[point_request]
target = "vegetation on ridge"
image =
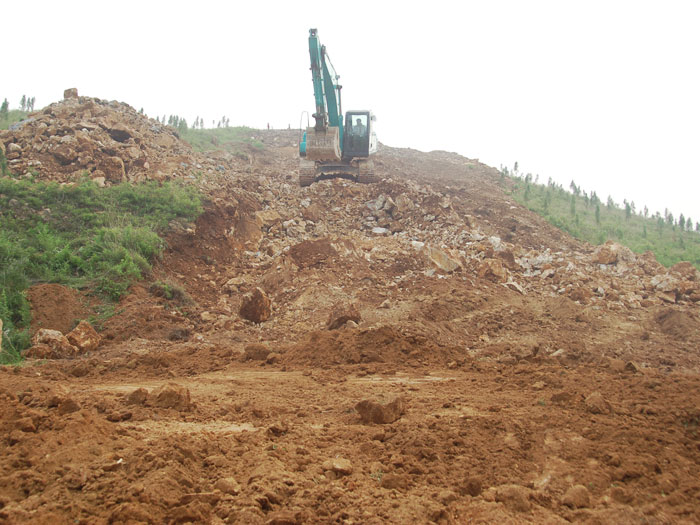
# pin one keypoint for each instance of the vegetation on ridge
(586, 217)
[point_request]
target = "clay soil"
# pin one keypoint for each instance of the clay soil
(537, 385)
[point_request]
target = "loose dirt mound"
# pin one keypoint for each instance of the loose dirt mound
(678, 324)
(308, 254)
(56, 307)
(375, 345)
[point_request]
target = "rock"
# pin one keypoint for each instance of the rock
(596, 403)
(70, 93)
(272, 358)
(25, 424)
(377, 230)
(171, 395)
(68, 406)
(606, 254)
(441, 259)
(38, 351)
(340, 466)
(228, 486)
(60, 346)
(341, 314)
(515, 287)
(208, 317)
(137, 397)
(581, 294)
(256, 306)
(373, 412)
(514, 497)
(577, 497)
(472, 486)
(312, 213)
(113, 169)
(84, 337)
(493, 270)
(685, 270)
(665, 282)
(612, 252)
(616, 365)
(633, 367)
(256, 352)
(394, 481)
(267, 218)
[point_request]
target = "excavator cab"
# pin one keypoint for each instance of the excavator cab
(359, 137)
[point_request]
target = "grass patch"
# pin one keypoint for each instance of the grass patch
(171, 291)
(82, 236)
(235, 140)
(12, 116)
(588, 218)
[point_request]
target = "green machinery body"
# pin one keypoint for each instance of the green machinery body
(333, 146)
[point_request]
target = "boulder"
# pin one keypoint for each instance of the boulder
(172, 395)
(514, 497)
(373, 412)
(441, 259)
(612, 253)
(113, 169)
(596, 403)
(685, 270)
(256, 306)
(341, 314)
(577, 497)
(267, 218)
(70, 93)
(84, 337)
(137, 397)
(256, 352)
(59, 346)
(493, 270)
(339, 466)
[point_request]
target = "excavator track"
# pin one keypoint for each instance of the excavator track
(366, 173)
(307, 172)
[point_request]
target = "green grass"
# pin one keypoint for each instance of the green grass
(12, 116)
(234, 140)
(83, 236)
(575, 213)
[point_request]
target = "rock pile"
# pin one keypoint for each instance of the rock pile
(109, 141)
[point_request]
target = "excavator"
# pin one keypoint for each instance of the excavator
(333, 148)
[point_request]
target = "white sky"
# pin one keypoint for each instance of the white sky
(606, 93)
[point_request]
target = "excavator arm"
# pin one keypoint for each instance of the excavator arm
(324, 141)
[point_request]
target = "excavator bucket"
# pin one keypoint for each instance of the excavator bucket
(323, 145)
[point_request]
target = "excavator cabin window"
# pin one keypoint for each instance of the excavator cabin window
(358, 125)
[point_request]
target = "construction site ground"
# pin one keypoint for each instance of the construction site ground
(494, 369)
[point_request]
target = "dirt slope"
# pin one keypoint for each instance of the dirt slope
(542, 380)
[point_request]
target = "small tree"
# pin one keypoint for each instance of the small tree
(628, 210)
(572, 207)
(646, 211)
(597, 213)
(23, 103)
(4, 109)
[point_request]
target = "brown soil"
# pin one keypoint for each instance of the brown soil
(56, 307)
(554, 390)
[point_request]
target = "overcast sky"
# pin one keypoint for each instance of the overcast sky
(605, 93)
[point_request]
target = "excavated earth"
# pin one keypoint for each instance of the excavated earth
(483, 367)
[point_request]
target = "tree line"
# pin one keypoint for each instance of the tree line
(180, 123)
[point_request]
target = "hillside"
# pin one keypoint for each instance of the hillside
(423, 349)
